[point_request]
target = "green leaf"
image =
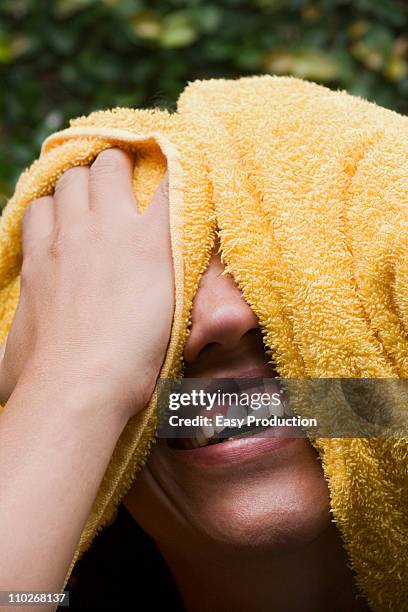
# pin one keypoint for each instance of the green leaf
(308, 64)
(178, 30)
(6, 51)
(207, 18)
(147, 24)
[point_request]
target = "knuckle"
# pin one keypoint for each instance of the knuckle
(122, 221)
(57, 246)
(66, 244)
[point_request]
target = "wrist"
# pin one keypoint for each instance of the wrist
(68, 397)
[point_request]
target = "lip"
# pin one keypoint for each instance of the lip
(239, 450)
(264, 371)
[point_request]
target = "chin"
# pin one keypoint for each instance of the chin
(273, 502)
(265, 515)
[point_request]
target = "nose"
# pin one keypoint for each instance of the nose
(220, 314)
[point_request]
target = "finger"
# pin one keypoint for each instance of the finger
(110, 183)
(72, 195)
(157, 222)
(38, 222)
(157, 212)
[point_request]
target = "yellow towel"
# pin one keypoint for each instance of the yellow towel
(309, 190)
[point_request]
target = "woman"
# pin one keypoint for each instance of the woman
(241, 525)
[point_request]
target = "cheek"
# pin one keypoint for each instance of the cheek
(277, 505)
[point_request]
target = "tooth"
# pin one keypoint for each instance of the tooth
(261, 413)
(275, 410)
(235, 411)
(218, 428)
(201, 438)
(258, 414)
(208, 431)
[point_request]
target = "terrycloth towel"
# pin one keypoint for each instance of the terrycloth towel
(309, 190)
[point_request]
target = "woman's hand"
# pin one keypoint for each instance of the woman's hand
(96, 298)
(83, 354)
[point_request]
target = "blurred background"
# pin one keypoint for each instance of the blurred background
(66, 58)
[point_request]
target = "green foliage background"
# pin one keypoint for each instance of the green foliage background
(62, 58)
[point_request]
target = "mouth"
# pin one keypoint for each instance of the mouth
(238, 449)
(220, 442)
(208, 435)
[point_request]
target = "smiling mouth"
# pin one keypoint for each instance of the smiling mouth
(233, 422)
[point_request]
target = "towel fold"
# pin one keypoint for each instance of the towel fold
(309, 191)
